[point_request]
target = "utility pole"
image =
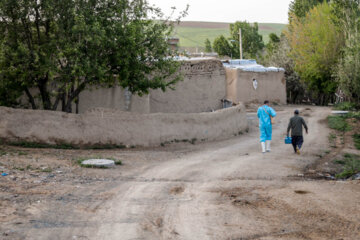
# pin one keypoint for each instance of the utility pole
(240, 43)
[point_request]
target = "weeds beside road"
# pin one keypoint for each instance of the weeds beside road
(346, 134)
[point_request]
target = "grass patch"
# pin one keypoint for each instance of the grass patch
(21, 153)
(341, 162)
(351, 164)
(106, 146)
(346, 106)
(356, 138)
(26, 144)
(46, 169)
(354, 115)
(19, 168)
(332, 137)
(2, 152)
(194, 35)
(339, 123)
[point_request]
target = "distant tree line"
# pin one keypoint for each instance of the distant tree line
(252, 41)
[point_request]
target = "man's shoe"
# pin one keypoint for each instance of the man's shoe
(297, 151)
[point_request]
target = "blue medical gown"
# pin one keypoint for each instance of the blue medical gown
(265, 122)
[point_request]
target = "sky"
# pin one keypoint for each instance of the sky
(262, 11)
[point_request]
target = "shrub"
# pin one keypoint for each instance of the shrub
(351, 166)
(345, 106)
(338, 123)
(356, 138)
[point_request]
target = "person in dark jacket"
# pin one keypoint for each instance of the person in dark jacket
(296, 123)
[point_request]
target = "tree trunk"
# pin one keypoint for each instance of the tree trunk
(74, 93)
(68, 107)
(63, 104)
(45, 96)
(295, 96)
(77, 105)
(31, 98)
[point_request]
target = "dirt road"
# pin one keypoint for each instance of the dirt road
(219, 190)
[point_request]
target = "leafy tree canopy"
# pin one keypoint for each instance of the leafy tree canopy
(208, 47)
(62, 47)
(278, 56)
(299, 8)
(252, 42)
(221, 46)
(315, 47)
(273, 43)
(346, 18)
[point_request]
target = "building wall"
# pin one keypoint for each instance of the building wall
(203, 87)
(109, 126)
(271, 86)
(205, 83)
(114, 98)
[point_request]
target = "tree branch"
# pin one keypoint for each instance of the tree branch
(31, 98)
(76, 92)
(37, 24)
(60, 93)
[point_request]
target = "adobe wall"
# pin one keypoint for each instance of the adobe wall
(109, 126)
(114, 98)
(271, 86)
(203, 87)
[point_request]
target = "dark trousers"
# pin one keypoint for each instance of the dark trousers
(297, 141)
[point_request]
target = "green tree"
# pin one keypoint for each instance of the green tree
(273, 43)
(315, 48)
(279, 57)
(63, 47)
(208, 47)
(346, 17)
(252, 42)
(299, 8)
(221, 46)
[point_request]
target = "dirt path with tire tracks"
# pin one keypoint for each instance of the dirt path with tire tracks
(219, 190)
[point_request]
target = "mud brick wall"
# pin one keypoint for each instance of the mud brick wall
(271, 86)
(201, 90)
(108, 126)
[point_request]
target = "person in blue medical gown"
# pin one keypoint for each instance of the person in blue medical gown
(264, 112)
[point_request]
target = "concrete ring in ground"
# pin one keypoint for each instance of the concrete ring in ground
(98, 162)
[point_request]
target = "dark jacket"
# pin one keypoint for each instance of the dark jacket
(295, 125)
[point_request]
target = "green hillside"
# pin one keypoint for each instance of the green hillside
(194, 34)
